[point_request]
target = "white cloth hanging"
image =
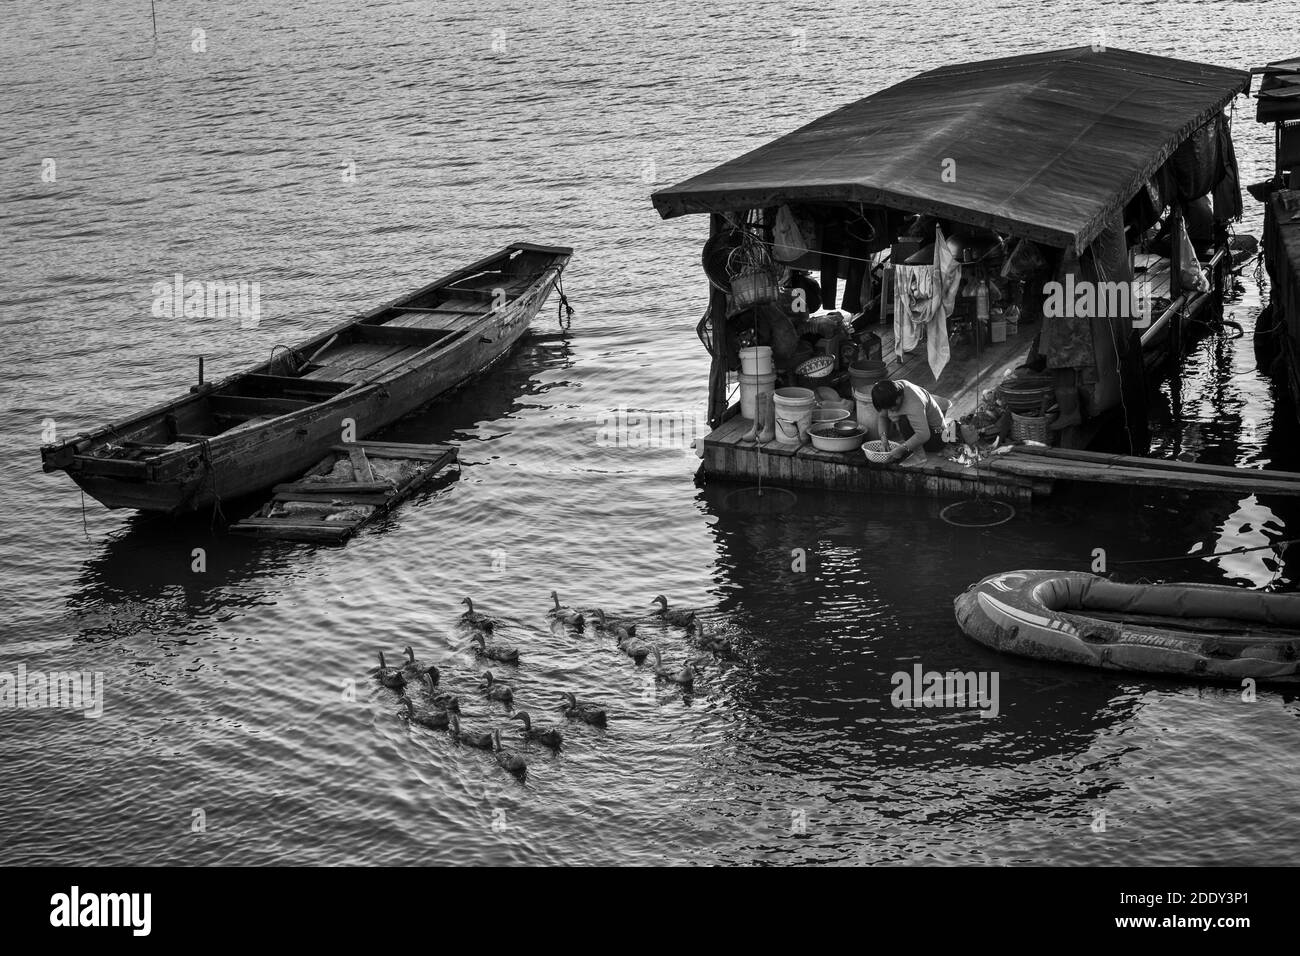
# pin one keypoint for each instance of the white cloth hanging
(924, 297)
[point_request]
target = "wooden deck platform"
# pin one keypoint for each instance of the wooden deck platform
(725, 456)
(354, 485)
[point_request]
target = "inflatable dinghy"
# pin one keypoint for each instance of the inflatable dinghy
(1204, 631)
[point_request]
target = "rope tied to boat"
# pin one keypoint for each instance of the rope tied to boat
(205, 456)
(563, 311)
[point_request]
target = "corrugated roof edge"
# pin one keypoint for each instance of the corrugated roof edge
(670, 205)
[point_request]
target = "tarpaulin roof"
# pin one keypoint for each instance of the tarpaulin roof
(1279, 91)
(1046, 146)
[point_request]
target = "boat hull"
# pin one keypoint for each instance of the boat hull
(1199, 631)
(250, 458)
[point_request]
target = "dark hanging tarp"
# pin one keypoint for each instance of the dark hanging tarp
(1279, 92)
(1046, 146)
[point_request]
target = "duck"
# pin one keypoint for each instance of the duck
(549, 736)
(413, 670)
(497, 691)
(677, 617)
(509, 760)
(634, 648)
(618, 626)
(389, 676)
(584, 711)
(470, 737)
(434, 719)
(474, 618)
(494, 652)
(565, 615)
(716, 644)
(445, 701)
(685, 676)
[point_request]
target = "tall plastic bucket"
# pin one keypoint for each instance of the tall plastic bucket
(754, 388)
(794, 408)
(866, 373)
(756, 360)
(867, 415)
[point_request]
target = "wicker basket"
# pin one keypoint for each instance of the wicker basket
(753, 288)
(1030, 427)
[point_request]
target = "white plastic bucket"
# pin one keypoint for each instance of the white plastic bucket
(756, 360)
(794, 408)
(867, 415)
(752, 387)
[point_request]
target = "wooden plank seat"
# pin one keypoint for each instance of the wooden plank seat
(399, 334)
(245, 407)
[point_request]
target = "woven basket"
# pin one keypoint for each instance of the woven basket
(1030, 427)
(753, 288)
(874, 452)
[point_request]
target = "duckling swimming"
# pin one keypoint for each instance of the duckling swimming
(685, 676)
(473, 618)
(494, 652)
(509, 760)
(584, 711)
(565, 615)
(677, 617)
(618, 626)
(549, 736)
(389, 676)
(445, 701)
(434, 719)
(496, 691)
(413, 670)
(469, 737)
(715, 644)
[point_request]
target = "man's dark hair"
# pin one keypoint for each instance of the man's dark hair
(886, 394)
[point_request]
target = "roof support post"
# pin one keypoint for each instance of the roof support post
(721, 347)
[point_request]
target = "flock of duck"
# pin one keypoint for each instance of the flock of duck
(439, 710)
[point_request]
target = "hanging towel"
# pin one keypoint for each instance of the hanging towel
(924, 297)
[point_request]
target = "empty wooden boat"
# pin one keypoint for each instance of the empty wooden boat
(1203, 631)
(248, 432)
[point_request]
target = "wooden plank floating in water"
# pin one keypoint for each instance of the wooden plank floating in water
(353, 486)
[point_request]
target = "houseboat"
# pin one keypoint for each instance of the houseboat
(1278, 328)
(1018, 237)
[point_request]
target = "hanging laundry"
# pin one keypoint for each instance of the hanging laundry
(924, 297)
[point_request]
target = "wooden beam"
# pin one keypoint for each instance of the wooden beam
(361, 465)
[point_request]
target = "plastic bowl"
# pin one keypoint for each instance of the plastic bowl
(828, 416)
(832, 439)
(819, 366)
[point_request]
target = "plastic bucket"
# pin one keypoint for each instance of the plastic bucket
(867, 415)
(998, 331)
(752, 387)
(756, 360)
(794, 408)
(866, 373)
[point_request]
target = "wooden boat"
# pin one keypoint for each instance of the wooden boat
(1201, 631)
(352, 486)
(246, 433)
